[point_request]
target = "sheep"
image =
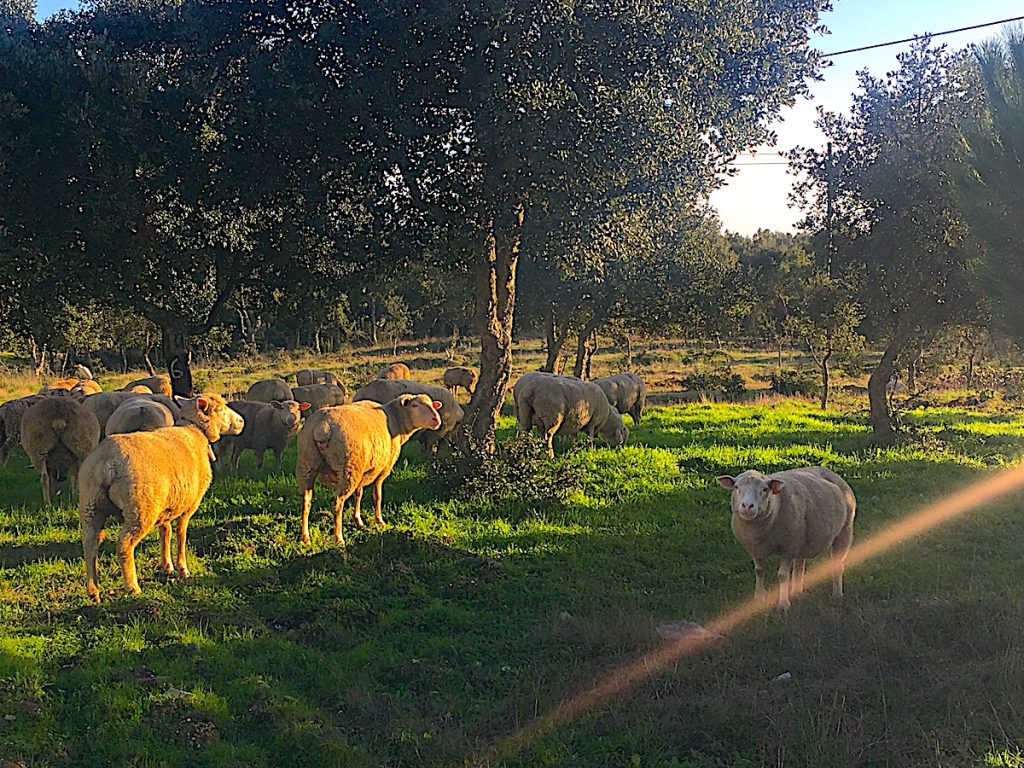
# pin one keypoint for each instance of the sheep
(796, 514)
(268, 390)
(11, 414)
(138, 415)
(321, 395)
(626, 392)
(58, 433)
(140, 389)
(385, 390)
(150, 479)
(565, 405)
(53, 386)
(460, 377)
(267, 426)
(349, 447)
(86, 387)
(159, 384)
(306, 376)
(395, 371)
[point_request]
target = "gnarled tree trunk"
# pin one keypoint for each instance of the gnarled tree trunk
(177, 359)
(495, 305)
(881, 417)
(557, 333)
(587, 342)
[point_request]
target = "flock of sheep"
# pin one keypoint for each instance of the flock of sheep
(144, 458)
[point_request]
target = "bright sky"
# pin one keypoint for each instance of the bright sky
(757, 197)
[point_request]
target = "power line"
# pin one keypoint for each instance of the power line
(918, 37)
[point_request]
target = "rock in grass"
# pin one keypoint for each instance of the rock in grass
(681, 629)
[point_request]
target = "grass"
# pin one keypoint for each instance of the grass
(463, 621)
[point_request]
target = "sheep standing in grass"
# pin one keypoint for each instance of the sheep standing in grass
(159, 384)
(138, 415)
(349, 447)
(150, 479)
(58, 433)
(321, 396)
(460, 377)
(565, 406)
(103, 404)
(306, 376)
(268, 390)
(386, 390)
(11, 414)
(395, 371)
(626, 392)
(796, 514)
(267, 426)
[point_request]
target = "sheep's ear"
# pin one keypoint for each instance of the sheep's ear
(437, 405)
(775, 486)
(727, 481)
(304, 406)
(202, 403)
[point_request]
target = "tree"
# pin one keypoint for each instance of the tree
(890, 185)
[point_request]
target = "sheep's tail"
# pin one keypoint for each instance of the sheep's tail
(59, 424)
(322, 435)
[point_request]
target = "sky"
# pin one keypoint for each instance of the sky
(757, 197)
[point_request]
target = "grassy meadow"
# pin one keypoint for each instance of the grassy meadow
(465, 619)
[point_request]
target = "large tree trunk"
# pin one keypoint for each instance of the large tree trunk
(824, 379)
(495, 305)
(881, 417)
(585, 346)
(177, 359)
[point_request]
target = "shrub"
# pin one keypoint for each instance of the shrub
(790, 381)
(518, 474)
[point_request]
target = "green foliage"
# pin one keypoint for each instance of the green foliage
(791, 381)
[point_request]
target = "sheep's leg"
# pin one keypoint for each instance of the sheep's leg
(236, 454)
(785, 571)
(357, 515)
(277, 457)
(798, 576)
(181, 560)
(339, 513)
(549, 436)
(165, 547)
(307, 502)
(44, 479)
(91, 530)
(378, 496)
(840, 547)
(260, 455)
(127, 540)
(759, 591)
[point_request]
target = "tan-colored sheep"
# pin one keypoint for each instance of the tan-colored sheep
(138, 415)
(86, 387)
(140, 389)
(11, 414)
(306, 376)
(565, 406)
(321, 396)
(58, 433)
(267, 427)
(65, 384)
(349, 447)
(385, 390)
(150, 479)
(159, 384)
(268, 390)
(797, 514)
(395, 371)
(626, 392)
(461, 377)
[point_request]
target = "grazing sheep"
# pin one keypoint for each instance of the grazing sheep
(796, 514)
(460, 377)
(306, 376)
(159, 384)
(11, 414)
(57, 433)
(53, 386)
(138, 415)
(564, 406)
(385, 390)
(268, 390)
(150, 479)
(395, 371)
(267, 426)
(86, 387)
(626, 392)
(321, 395)
(349, 447)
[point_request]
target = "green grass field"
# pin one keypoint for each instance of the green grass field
(463, 621)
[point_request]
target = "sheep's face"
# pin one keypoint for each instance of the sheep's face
(753, 494)
(212, 415)
(619, 437)
(423, 411)
(290, 412)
